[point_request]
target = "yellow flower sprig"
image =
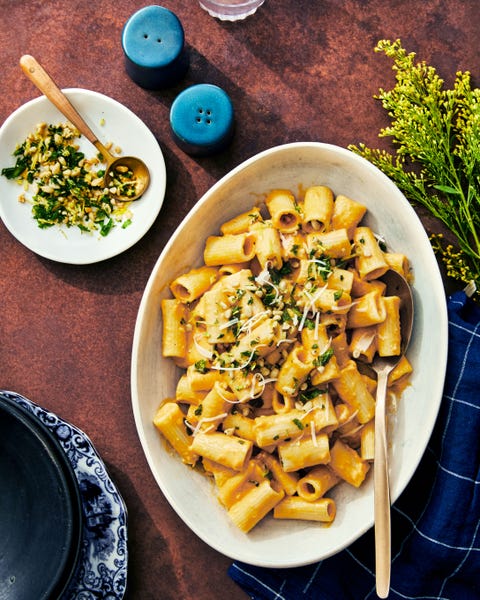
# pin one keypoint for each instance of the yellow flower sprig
(436, 135)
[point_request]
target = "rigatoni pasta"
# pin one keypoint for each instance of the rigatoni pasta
(317, 208)
(276, 333)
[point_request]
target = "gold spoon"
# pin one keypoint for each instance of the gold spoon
(396, 286)
(141, 176)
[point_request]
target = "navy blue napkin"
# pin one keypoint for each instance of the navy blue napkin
(435, 522)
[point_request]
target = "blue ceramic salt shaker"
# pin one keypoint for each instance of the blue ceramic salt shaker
(153, 43)
(202, 119)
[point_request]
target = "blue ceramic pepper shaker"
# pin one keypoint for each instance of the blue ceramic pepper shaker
(202, 119)
(153, 43)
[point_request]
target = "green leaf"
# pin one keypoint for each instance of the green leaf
(447, 189)
(106, 227)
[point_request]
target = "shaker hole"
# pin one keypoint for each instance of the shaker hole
(159, 40)
(145, 35)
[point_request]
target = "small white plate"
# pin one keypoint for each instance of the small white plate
(123, 128)
(277, 543)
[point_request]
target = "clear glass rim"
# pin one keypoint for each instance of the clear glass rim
(237, 9)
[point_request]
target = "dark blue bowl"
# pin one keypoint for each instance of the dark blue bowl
(40, 508)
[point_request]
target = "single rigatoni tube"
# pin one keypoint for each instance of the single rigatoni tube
(366, 310)
(185, 393)
(229, 248)
(330, 300)
(347, 213)
(398, 262)
(367, 440)
(325, 373)
(294, 371)
(352, 389)
(215, 406)
(370, 261)
(316, 483)
(272, 429)
(169, 420)
(284, 211)
(268, 248)
(241, 223)
(389, 339)
(402, 369)
(317, 208)
(304, 453)
(334, 244)
(348, 464)
(341, 279)
(254, 505)
(294, 507)
(363, 343)
(174, 337)
(200, 380)
(190, 286)
(323, 414)
(230, 451)
(239, 425)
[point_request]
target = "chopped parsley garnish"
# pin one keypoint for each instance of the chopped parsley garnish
(322, 360)
(276, 275)
(310, 394)
(270, 296)
(63, 186)
(201, 366)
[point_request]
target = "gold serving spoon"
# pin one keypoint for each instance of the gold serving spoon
(115, 165)
(396, 286)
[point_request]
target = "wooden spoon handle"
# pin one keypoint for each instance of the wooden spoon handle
(38, 76)
(381, 492)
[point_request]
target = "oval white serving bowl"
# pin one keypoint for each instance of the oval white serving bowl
(280, 543)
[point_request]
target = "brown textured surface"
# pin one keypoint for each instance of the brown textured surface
(297, 70)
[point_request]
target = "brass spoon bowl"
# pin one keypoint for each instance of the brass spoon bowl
(396, 286)
(115, 165)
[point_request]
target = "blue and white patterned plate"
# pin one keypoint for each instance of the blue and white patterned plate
(102, 567)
